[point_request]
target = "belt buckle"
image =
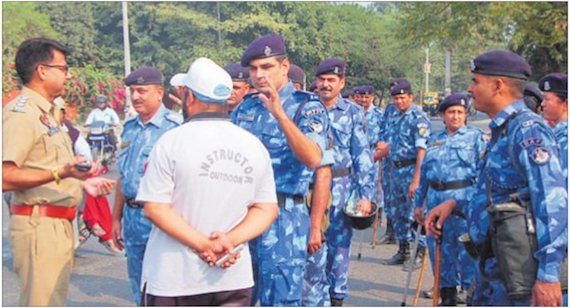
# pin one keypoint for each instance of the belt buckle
(440, 185)
(398, 164)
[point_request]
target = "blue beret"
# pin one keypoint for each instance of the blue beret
(554, 82)
(347, 93)
(501, 63)
(296, 74)
(269, 45)
(331, 66)
(237, 72)
(397, 81)
(144, 76)
(313, 86)
(403, 87)
(456, 99)
(366, 90)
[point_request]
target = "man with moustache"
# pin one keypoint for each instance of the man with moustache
(294, 127)
(352, 170)
(240, 87)
(139, 136)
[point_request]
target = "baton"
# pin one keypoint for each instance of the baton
(411, 267)
(377, 219)
(437, 269)
(421, 279)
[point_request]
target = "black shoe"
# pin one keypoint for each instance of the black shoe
(428, 293)
(417, 263)
(336, 301)
(448, 296)
(462, 297)
(387, 239)
(400, 257)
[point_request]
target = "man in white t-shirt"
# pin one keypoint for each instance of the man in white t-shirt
(207, 188)
(105, 114)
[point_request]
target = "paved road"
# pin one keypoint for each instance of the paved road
(100, 278)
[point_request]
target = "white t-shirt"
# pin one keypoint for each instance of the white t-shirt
(210, 171)
(109, 116)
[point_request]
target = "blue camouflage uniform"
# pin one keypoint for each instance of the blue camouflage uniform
(561, 133)
(374, 116)
(281, 251)
(138, 140)
(351, 152)
(410, 130)
(524, 161)
(385, 133)
(451, 158)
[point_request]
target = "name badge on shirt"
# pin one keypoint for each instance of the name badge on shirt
(245, 117)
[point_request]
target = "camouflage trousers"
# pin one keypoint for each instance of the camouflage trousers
(493, 292)
(457, 266)
(280, 256)
(136, 231)
(316, 284)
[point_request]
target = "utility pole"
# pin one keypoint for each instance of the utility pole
(127, 55)
(427, 69)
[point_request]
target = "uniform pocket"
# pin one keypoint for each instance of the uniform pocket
(342, 135)
(273, 138)
(465, 152)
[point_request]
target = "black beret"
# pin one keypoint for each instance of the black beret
(313, 86)
(296, 74)
(554, 82)
(532, 97)
(269, 45)
(403, 87)
(237, 72)
(331, 66)
(501, 63)
(144, 76)
(456, 99)
(366, 90)
(347, 93)
(398, 80)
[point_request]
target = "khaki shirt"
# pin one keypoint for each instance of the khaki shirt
(33, 139)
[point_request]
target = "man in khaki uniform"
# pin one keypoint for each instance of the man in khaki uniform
(38, 165)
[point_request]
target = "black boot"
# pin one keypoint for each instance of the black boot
(448, 296)
(417, 263)
(336, 302)
(390, 236)
(401, 256)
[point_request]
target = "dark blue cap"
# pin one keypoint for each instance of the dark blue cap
(365, 90)
(347, 93)
(532, 98)
(313, 86)
(554, 82)
(403, 87)
(501, 63)
(397, 81)
(144, 76)
(237, 72)
(455, 99)
(269, 45)
(296, 74)
(331, 66)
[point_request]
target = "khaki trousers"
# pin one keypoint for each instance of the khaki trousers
(42, 249)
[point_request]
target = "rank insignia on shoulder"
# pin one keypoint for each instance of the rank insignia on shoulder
(540, 155)
(125, 144)
(316, 127)
(21, 104)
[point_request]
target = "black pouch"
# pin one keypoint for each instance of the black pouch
(513, 240)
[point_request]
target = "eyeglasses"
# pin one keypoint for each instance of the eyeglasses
(63, 68)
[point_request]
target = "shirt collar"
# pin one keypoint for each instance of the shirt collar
(561, 125)
(341, 103)
(157, 119)
(209, 116)
(39, 100)
(502, 116)
(287, 90)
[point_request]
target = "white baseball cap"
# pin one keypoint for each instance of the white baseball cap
(209, 82)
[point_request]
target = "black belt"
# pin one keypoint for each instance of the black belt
(134, 204)
(339, 173)
(441, 186)
(296, 199)
(404, 163)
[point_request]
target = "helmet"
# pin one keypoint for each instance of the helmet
(101, 99)
(357, 220)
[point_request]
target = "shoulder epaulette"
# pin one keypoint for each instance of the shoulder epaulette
(309, 95)
(174, 117)
(130, 119)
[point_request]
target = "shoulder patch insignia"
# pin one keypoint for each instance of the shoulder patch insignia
(316, 127)
(245, 117)
(527, 123)
(531, 142)
(540, 155)
(422, 131)
(313, 112)
(174, 117)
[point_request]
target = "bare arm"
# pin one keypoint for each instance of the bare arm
(417, 172)
(319, 202)
(117, 229)
(15, 178)
(258, 219)
(304, 148)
